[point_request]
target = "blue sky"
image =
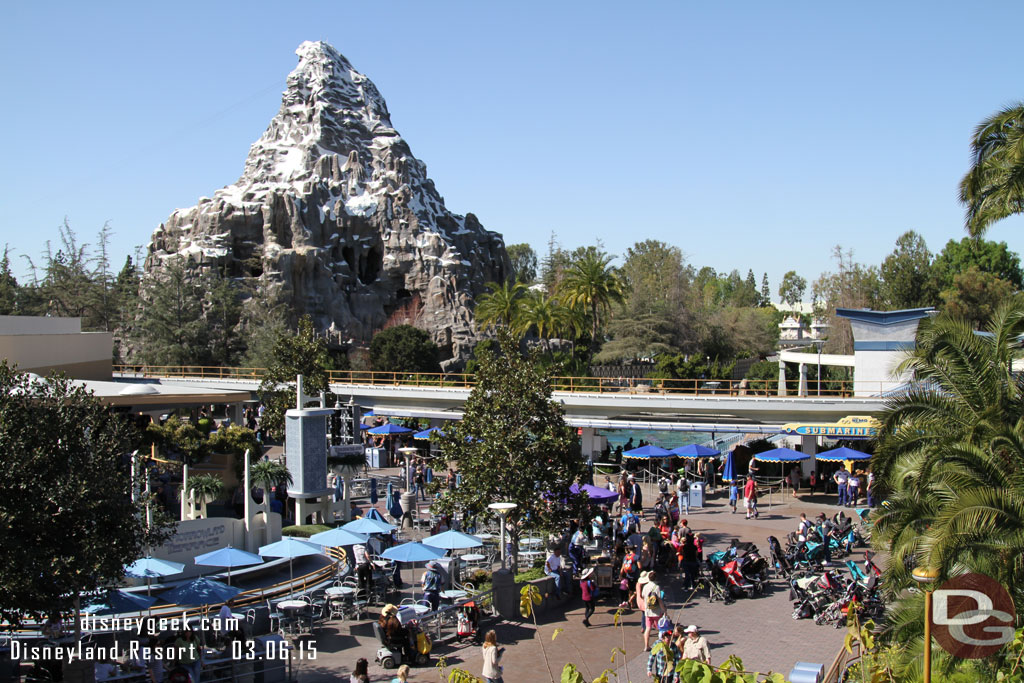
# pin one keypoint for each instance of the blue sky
(749, 134)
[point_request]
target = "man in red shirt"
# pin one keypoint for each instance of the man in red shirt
(750, 497)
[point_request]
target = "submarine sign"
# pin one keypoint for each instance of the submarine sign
(853, 426)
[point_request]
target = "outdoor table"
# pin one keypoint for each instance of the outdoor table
(339, 591)
(486, 537)
(407, 613)
(470, 558)
(381, 564)
(531, 542)
(531, 554)
(453, 594)
(292, 604)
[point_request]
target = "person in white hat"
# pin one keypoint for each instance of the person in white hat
(695, 646)
(588, 589)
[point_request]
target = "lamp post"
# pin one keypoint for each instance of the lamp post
(408, 452)
(502, 509)
(925, 577)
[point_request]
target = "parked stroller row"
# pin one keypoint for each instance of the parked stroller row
(828, 595)
(738, 572)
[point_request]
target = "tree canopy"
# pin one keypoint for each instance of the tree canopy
(512, 443)
(404, 348)
(70, 524)
(303, 352)
(993, 188)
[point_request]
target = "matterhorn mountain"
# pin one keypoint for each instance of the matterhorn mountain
(335, 213)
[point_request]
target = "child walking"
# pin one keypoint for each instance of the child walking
(734, 494)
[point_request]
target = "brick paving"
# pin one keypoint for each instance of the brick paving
(760, 631)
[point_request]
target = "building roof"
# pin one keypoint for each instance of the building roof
(867, 315)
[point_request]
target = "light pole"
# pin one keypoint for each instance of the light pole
(819, 343)
(502, 509)
(925, 577)
(408, 452)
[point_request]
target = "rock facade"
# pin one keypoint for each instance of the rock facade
(335, 213)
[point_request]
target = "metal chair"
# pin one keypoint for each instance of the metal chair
(275, 617)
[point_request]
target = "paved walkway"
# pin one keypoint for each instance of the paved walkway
(760, 631)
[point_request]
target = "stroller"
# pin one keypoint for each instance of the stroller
(811, 595)
(782, 563)
(389, 655)
(468, 625)
(754, 570)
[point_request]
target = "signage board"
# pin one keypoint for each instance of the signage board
(850, 427)
(972, 616)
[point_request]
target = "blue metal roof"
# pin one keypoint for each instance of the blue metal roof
(884, 317)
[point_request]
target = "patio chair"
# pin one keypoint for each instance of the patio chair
(275, 617)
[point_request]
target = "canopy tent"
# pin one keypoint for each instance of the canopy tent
(695, 451)
(596, 494)
(840, 454)
(648, 451)
(781, 455)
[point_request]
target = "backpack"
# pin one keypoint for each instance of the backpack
(433, 582)
(652, 599)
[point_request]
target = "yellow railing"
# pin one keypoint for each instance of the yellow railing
(599, 385)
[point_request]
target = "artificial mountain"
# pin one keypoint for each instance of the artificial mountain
(335, 215)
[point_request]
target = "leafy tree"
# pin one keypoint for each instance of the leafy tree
(988, 257)
(172, 330)
(524, 263)
(907, 280)
(792, 288)
(403, 348)
(593, 284)
(853, 285)
(301, 353)
(993, 188)
(951, 453)
(512, 444)
(740, 332)
(644, 336)
(8, 286)
(70, 524)
(500, 306)
(976, 295)
(266, 474)
(655, 278)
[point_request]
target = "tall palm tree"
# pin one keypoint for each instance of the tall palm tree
(500, 306)
(545, 316)
(994, 186)
(591, 283)
(951, 452)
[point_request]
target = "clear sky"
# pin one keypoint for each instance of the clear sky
(749, 134)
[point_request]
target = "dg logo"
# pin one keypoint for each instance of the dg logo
(972, 616)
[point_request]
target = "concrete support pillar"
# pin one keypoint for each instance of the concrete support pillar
(184, 492)
(247, 501)
(782, 378)
(809, 445)
(802, 390)
(587, 444)
(235, 413)
(346, 504)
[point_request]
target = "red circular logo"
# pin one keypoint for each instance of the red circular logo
(972, 616)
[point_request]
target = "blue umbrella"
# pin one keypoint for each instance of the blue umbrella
(781, 455)
(393, 504)
(729, 471)
(375, 515)
(412, 552)
(368, 525)
(695, 451)
(595, 494)
(332, 538)
(150, 566)
(291, 548)
(117, 602)
(390, 429)
(201, 591)
(425, 434)
(844, 453)
(373, 491)
(361, 427)
(228, 557)
(452, 540)
(648, 451)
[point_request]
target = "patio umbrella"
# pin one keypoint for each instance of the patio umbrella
(291, 548)
(367, 525)
(729, 471)
(648, 451)
(332, 538)
(425, 434)
(117, 602)
(390, 429)
(412, 553)
(200, 592)
(362, 426)
(150, 566)
(373, 491)
(596, 494)
(781, 455)
(393, 503)
(452, 540)
(374, 513)
(844, 453)
(228, 557)
(695, 451)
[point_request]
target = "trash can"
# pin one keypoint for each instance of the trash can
(805, 672)
(697, 494)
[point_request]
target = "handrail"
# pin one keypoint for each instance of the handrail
(584, 385)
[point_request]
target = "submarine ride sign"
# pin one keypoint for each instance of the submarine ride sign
(850, 427)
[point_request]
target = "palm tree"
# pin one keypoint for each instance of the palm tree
(951, 452)
(267, 474)
(591, 283)
(500, 306)
(994, 186)
(545, 316)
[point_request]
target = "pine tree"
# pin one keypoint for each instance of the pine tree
(766, 292)
(172, 330)
(8, 286)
